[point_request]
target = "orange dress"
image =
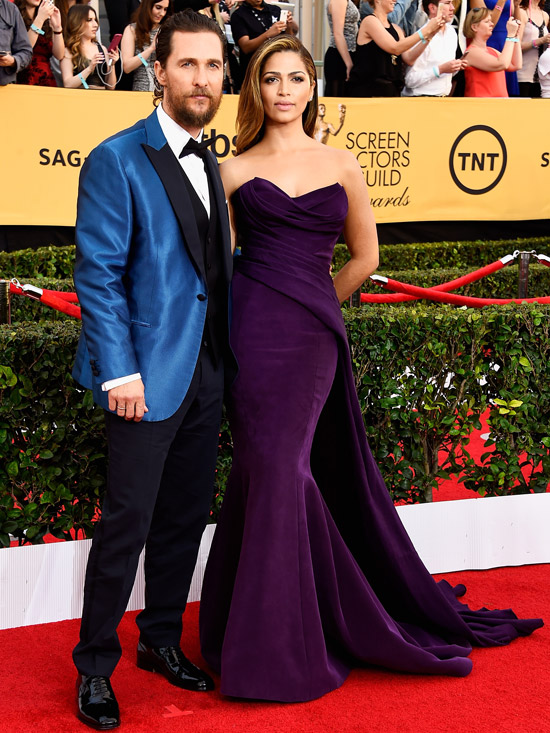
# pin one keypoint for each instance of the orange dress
(485, 83)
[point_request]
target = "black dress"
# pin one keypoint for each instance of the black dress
(375, 72)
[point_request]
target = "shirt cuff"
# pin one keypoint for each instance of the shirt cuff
(112, 383)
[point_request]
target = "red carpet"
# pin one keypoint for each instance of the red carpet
(507, 692)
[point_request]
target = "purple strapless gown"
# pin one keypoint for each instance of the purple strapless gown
(311, 571)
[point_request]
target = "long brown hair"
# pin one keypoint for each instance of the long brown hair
(76, 19)
(144, 23)
(22, 5)
(250, 114)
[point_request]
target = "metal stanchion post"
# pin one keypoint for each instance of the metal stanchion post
(523, 274)
(355, 298)
(5, 313)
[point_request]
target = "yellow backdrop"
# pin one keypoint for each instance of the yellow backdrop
(423, 159)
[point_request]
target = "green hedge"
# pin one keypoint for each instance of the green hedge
(51, 436)
(53, 262)
(464, 255)
(424, 376)
(58, 262)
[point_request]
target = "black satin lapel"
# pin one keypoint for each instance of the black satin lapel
(223, 217)
(168, 169)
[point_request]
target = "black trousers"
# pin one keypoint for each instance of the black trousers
(159, 488)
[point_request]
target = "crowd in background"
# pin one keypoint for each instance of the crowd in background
(379, 48)
(391, 48)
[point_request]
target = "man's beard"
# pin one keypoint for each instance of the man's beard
(188, 117)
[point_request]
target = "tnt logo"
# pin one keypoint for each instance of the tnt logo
(478, 159)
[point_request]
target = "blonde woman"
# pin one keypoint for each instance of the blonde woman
(485, 66)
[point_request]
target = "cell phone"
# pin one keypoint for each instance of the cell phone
(4, 53)
(114, 43)
(284, 16)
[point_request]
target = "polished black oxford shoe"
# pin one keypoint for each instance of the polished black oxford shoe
(171, 662)
(97, 705)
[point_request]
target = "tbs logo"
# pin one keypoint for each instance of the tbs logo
(478, 159)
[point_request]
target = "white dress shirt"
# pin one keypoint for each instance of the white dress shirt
(421, 78)
(193, 167)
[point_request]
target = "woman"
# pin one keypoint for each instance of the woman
(310, 567)
(501, 11)
(343, 18)
(534, 42)
(378, 68)
(43, 22)
(86, 62)
(138, 43)
(484, 71)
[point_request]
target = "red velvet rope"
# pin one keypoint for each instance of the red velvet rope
(60, 305)
(60, 301)
(444, 287)
(437, 295)
(69, 297)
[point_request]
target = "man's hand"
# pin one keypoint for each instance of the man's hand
(451, 67)
(7, 60)
(128, 400)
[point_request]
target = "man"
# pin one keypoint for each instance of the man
(152, 275)
(15, 48)
(433, 63)
(253, 23)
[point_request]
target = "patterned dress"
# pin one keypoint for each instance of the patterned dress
(39, 72)
(334, 66)
(144, 76)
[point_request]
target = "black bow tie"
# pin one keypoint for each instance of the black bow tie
(193, 147)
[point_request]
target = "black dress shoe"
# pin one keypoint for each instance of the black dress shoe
(174, 665)
(97, 705)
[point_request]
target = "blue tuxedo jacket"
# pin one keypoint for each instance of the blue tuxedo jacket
(139, 270)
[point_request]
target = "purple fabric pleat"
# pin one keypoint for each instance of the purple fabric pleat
(311, 571)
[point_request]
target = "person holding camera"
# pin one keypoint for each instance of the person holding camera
(43, 21)
(431, 66)
(534, 42)
(254, 22)
(86, 64)
(381, 49)
(15, 49)
(138, 43)
(485, 66)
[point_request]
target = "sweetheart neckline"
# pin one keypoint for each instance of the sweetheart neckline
(293, 198)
